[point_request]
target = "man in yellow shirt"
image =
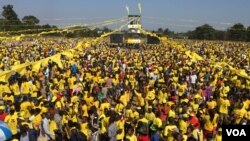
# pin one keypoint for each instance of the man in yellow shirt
(211, 104)
(224, 105)
(16, 90)
(11, 120)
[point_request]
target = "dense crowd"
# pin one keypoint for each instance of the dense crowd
(155, 93)
(14, 52)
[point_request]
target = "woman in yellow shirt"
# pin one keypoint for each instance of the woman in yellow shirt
(130, 135)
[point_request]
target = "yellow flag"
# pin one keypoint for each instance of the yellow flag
(57, 60)
(36, 66)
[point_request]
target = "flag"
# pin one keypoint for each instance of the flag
(127, 8)
(139, 7)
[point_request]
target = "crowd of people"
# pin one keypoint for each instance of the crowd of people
(154, 93)
(14, 52)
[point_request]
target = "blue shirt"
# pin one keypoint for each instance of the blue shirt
(155, 137)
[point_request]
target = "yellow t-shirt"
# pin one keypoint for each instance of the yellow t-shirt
(141, 100)
(15, 88)
(8, 98)
(61, 84)
(52, 127)
(71, 82)
(171, 114)
(240, 113)
(85, 129)
(25, 87)
(183, 125)
(167, 134)
(24, 107)
(129, 113)
(34, 91)
(158, 122)
(11, 120)
(103, 127)
(37, 121)
(150, 116)
(85, 110)
(123, 100)
(208, 124)
(89, 101)
(120, 125)
(105, 105)
(224, 104)
(218, 137)
(150, 95)
(131, 138)
(211, 104)
(119, 108)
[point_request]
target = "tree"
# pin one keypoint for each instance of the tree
(9, 14)
(160, 30)
(203, 32)
(168, 32)
(220, 35)
(106, 29)
(237, 32)
(248, 34)
(11, 21)
(30, 20)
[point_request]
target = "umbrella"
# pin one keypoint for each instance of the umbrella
(5, 132)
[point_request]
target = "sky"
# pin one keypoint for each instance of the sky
(177, 15)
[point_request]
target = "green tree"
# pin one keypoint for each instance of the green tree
(160, 30)
(106, 29)
(237, 32)
(205, 31)
(220, 35)
(11, 21)
(248, 34)
(30, 20)
(9, 14)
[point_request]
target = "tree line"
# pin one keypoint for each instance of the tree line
(10, 24)
(238, 32)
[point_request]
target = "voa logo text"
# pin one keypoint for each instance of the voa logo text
(236, 132)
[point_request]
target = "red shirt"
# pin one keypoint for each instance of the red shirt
(143, 138)
(163, 112)
(2, 116)
(194, 121)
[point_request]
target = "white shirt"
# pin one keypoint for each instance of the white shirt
(193, 78)
(46, 128)
(25, 138)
